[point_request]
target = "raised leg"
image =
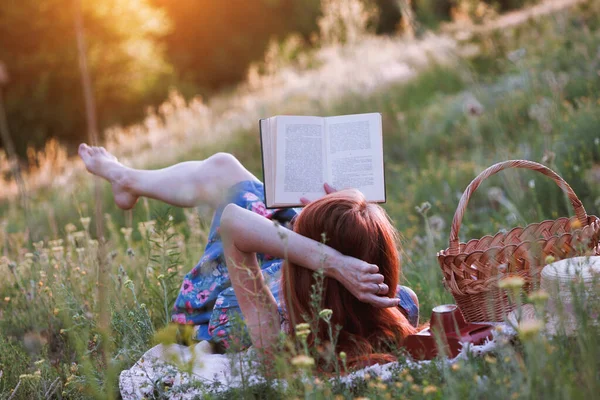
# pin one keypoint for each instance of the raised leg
(187, 184)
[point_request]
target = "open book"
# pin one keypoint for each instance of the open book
(300, 154)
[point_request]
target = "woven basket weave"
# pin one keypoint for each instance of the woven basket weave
(472, 270)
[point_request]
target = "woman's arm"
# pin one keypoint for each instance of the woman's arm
(245, 233)
(253, 233)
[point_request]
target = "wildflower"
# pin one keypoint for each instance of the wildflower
(303, 327)
(30, 377)
(127, 233)
(326, 314)
(549, 259)
(29, 256)
(548, 157)
(437, 223)
(511, 282)
(343, 355)
(495, 194)
(55, 243)
(302, 335)
(473, 107)
(455, 367)
(58, 252)
(489, 360)
(38, 363)
(538, 297)
(128, 284)
(70, 228)
(7, 299)
(423, 208)
(56, 311)
(160, 277)
(429, 389)
(143, 306)
(576, 224)
(303, 361)
(531, 184)
(85, 222)
(146, 227)
(399, 385)
(529, 329)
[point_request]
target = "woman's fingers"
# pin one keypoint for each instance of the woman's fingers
(371, 269)
(374, 278)
(382, 302)
(381, 289)
(304, 200)
(328, 188)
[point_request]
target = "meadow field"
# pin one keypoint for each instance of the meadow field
(76, 310)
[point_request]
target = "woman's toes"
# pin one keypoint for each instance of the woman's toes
(84, 149)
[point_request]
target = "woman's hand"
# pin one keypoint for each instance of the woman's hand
(361, 279)
(328, 189)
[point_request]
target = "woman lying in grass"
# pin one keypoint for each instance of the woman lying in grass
(241, 268)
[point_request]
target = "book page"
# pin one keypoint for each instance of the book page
(300, 159)
(355, 154)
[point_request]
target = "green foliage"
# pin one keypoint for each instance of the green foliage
(44, 94)
(212, 45)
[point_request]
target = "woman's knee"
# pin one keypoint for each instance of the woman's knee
(227, 166)
(223, 160)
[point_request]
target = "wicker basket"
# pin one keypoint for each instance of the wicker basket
(472, 270)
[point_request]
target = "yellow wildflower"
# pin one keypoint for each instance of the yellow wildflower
(529, 329)
(303, 361)
(429, 389)
(539, 297)
(85, 222)
(511, 282)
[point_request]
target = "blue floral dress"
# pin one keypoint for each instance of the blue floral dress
(206, 298)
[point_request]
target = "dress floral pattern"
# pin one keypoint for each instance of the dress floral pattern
(206, 298)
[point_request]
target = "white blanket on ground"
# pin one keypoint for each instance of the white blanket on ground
(182, 372)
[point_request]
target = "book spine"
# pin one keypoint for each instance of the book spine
(262, 156)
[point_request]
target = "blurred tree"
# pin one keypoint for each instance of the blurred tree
(44, 95)
(213, 42)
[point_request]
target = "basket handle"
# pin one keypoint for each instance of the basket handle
(464, 200)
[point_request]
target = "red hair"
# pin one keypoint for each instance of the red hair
(361, 230)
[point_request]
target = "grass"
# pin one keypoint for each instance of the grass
(529, 92)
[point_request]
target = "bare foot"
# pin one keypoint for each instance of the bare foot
(101, 163)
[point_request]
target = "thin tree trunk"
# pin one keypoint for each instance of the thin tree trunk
(102, 300)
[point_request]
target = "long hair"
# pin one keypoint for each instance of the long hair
(362, 230)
